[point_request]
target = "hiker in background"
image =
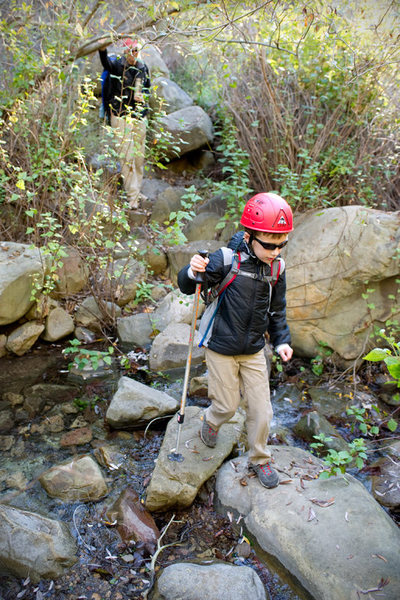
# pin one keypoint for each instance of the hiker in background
(128, 90)
(251, 303)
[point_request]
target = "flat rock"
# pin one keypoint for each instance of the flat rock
(331, 535)
(175, 484)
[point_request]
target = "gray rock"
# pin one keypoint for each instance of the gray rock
(20, 267)
(175, 484)
(135, 329)
(218, 581)
(190, 128)
(23, 338)
(174, 308)
(385, 486)
(170, 348)
(170, 200)
(121, 280)
(31, 545)
(135, 403)
(58, 325)
(202, 227)
(168, 96)
(328, 534)
(151, 55)
(90, 316)
(313, 424)
(72, 276)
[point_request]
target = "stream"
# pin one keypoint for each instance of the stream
(60, 401)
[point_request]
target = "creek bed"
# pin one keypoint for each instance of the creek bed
(106, 567)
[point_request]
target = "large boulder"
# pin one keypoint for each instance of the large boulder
(151, 55)
(22, 269)
(343, 284)
(189, 128)
(135, 403)
(174, 483)
(330, 534)
(23, 337)
(168, 96)
(34, 546)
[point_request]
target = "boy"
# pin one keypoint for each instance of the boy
(252, 304)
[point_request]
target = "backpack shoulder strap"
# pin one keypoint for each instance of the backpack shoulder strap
(277, 268)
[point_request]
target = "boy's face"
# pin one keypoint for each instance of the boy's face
(263, 254)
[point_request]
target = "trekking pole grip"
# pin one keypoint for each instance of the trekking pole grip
(200, 276)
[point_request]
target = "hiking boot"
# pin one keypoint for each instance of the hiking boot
(267, 476)
(208, 434)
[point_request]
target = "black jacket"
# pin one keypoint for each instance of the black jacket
(122, 84)
(249, 308)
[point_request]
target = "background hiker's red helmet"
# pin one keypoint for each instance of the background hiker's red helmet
(129, 44)
(269, 213)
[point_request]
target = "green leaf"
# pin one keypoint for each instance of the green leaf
(392, 425)
(377, 354)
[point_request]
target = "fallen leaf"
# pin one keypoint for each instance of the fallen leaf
(346, 517)
(207, 458)
(243, 481)
(302, 484)
(379, 556)
(285, 481)
(323, 503)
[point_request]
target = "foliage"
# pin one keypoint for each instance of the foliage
(84, 358)
(318, 362)
(390, 356)
(338, 460)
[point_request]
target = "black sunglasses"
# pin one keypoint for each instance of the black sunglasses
(269, 246)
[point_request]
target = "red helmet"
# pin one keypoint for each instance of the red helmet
(269, 213)
(129, 44)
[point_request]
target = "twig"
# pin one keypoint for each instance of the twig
(155, 556)
(90, 548)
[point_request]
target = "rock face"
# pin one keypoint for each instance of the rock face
(175, 484)
(352, 245)
(78, 480)
(328, 534)
(20, 267)
(135, 403)
(209, 582)
(31, 545)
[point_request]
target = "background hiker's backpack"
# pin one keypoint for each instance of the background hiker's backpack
(106, 93)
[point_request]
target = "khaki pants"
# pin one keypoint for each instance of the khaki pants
(131, 148)
(226, 376)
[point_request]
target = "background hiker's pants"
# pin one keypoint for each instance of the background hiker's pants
(226, 376)
(131, 148)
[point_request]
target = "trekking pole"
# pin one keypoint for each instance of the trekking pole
(175, 456)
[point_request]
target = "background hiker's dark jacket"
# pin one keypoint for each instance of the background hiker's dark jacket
(246, 312)
(122, 81)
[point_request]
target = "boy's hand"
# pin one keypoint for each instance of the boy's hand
(285, 352)
(198, 263)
